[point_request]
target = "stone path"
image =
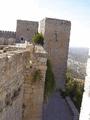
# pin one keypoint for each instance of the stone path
(56, 109)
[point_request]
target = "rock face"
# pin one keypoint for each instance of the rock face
(56, 33)
(85, 107)
(21, 94)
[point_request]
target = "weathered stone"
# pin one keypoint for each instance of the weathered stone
(56, 33)
(26, 30)
(21, 90)
(16, 86)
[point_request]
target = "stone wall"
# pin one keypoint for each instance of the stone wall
(21, 90)
(23, 70)
(7, 37)
(35, 69)
(57, 34)
(11, 86)
(72, 108)
(26, 30)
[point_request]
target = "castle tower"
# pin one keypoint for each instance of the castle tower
(57, 34)
(26, 30)
(85, 107)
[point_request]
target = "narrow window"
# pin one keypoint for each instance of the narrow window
(55, 36)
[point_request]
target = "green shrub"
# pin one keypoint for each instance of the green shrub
(73, 89)
(38, 39)
(36, 75)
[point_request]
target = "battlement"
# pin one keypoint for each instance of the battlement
(8, 34)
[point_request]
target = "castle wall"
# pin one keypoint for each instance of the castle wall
(34, 90)
(11, 86)
(56, 33)
(26, 30)
(21, 94)
(21, 97)
(7, 38)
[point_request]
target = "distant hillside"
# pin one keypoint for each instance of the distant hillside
(79, 54)
(77, 60)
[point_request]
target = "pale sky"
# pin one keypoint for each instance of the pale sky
(77, 11)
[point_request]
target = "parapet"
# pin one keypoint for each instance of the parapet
(8, 34)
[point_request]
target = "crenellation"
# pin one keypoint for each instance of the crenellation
(8, 34)
(7, 37)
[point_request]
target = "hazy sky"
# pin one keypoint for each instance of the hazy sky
(77, 11)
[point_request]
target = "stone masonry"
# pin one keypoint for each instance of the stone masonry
(23, 66)
(7, 37)
(34, 90)
(11, 86)
(21, 97)
(25, 30)
(57, 34)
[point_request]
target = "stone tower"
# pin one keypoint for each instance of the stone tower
(57, 34)
(25, 30)
(85, 107)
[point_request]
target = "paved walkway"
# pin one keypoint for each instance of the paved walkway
(56, 109)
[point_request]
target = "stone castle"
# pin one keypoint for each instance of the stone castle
(21, 95)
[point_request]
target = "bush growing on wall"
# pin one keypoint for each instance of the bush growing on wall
(38, 39)
(37, 76)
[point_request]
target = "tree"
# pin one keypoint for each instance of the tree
(73, 89)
